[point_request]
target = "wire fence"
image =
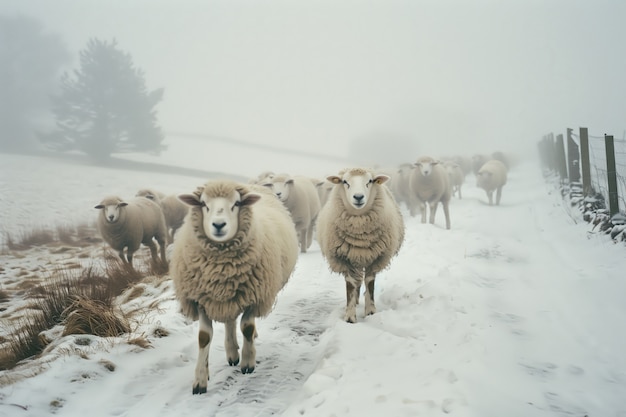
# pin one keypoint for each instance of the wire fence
(598, 166)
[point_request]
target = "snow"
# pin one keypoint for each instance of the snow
(516, 311)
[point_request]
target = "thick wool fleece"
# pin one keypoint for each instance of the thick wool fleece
(243, 274)
(366, 241)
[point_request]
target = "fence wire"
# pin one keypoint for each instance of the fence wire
(598, 168)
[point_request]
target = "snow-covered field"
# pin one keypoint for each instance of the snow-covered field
(515, 311)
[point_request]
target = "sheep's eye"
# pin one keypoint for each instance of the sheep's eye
(370, 182)
(346, 183)
(237, 204)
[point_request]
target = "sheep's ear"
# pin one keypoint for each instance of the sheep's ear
(381, 179)
(289, 181)
(319, 183)
(249, 199)
(99, 206)
(435, 162)
(190, 199)
(122, 204)
(334, 179)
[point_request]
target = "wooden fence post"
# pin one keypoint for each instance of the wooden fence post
(573, 159)
(560, 157)
(585, 165)
(611, 174)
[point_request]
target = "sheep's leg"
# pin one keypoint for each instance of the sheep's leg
(433, 210)
(490, 195)
(162, 244)
(248, 352)
(446, 212)
(352, 286)
(309, 235)
(370, 306)
(422, 207)
(123, 256)
(205, 334)
(460, 196)
(498, 195)
(230, 343)
(153, 250)
(303, 240)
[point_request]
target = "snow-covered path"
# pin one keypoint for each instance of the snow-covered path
(512, 312)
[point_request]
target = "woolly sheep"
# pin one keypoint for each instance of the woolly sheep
(127, 224)
(478, 160)
(455, 176)
(235, 251)
(492, 177)
(300, 197)
(174, 210)
(323, 188)
(429, 184)
(360, 229)
(399, 183)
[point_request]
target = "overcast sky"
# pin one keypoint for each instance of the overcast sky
(478, 74)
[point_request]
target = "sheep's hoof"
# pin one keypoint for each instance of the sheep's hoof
(350, 320)
(247, 369)
(197, 389)
(233, 362)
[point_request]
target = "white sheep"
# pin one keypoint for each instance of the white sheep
(478, 160)
(300, 197)
(174, 210)
(235, 251)
(491, 177)
(399, 183)
(360, 229)
(128, 224)
(455, 176)
(429, 185)
(323, 188)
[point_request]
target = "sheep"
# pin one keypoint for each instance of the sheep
(399, 183)
(323, 190)
(501, 156)
(492, 177)
(478, 160)
(127, 224)
(261, 177)
(174, 210)
(455, 176)
(234, 253)
(429, 183)
(300, 197)
(359, 230)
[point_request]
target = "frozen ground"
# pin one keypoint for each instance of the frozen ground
(515, 311)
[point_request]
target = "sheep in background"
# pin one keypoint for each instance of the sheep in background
(235, 251)
(464, 162)
(128, 224)
(265, 175)
(500, 156)
(492, 177)
(478, 161)
(300, 197)
(399, 183)
(323, 188)
(360, 229)
(429, 184)
(174, 210)
(455, 176)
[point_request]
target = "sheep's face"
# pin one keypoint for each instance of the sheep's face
(280, 186)
(220, 215)
(426, 166)
(111, 212)
(357, 186)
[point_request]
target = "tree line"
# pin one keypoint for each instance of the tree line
(99, 108)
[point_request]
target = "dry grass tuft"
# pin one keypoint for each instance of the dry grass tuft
(25, 342)
(140, 341)
(88, 316)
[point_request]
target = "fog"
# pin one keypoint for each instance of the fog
(451, 76)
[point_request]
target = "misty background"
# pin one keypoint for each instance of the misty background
(396, 78)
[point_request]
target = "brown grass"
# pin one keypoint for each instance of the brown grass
(82, 300)
(81, 235)
(89, 316)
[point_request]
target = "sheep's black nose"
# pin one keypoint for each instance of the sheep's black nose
(219, 226)
(279, 194)
(359, 197)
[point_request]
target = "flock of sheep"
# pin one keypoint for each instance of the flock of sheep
(236, 244)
